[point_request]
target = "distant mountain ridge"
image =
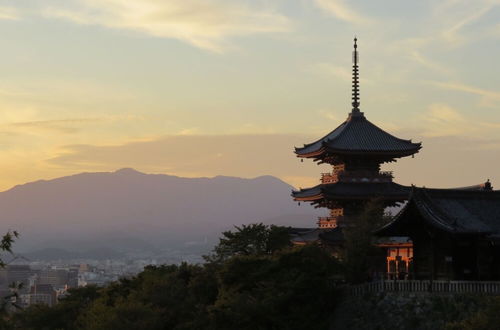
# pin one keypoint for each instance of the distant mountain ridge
(113, 209)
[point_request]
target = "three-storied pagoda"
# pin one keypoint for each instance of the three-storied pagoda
(355, 149)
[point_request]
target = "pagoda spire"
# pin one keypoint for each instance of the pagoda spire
(355, 79)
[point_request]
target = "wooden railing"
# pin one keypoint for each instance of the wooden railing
(329, 222)
(427, 286)
(356, 176)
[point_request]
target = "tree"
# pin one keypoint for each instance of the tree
(291, 289)
(161, 297)
(253, 239)
(486, 318)
(6, 302)
(60, 316)
(360, 252)
(256, 281)
(6, 244)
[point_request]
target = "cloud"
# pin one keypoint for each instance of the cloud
(489, 98)
(452, 34)
(342, 11)
(68, 126)
(62, 126)
(452, 24)
(9, 13)
(461, 21)
(426, 62)
(442, 120)
(205, 24)
(330, 115)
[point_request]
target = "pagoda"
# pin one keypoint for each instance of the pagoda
(355, 150)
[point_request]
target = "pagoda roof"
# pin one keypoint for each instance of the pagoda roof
(451, 210)
(353, 190)
(357, 135)
(301, 236)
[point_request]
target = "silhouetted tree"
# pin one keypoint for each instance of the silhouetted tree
(253, 239)
(360, 251)
(291, 289)
(256, 281)
(6, 244)
(60, 316)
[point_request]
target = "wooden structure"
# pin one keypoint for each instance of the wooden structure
(424, 286)
(455, 233)
(399, 257)
(355, 150)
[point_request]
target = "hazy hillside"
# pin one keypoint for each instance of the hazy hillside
(127, 209)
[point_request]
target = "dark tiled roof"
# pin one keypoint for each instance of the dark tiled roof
(310, 235)
(304, 235)
(357, 134)
(333, 236)
(350, 190)
(455, 211)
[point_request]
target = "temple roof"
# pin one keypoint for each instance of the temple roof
(300, 236)
(357, 135)
(450, 210)
(353, 190)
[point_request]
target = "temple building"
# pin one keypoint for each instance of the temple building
(451, 234)
(455, 233)
(356, 150)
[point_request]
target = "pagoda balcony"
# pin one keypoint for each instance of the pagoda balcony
(357, 176)
(329, 222)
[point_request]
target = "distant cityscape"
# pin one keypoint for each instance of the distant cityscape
(45, 282)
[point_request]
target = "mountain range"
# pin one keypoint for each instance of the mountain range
(128, 210)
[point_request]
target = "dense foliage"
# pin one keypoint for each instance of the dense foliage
(485, 317)
(253, 280)
(254, 239)
(360, 256)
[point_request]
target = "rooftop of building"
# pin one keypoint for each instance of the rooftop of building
(358, 135)
(456, 211)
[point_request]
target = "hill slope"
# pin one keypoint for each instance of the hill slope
(128, 208)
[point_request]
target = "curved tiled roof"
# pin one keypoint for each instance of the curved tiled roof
(454, 211)
(350, 190)
(358, 135)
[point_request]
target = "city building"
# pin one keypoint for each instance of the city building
(15, 274)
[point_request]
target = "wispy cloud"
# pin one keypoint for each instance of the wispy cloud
(461, 21)
(62, 125)
(342, 11)
(452, 24)
(67, 126)
(205, 24)
(330, 115)
(443, 120)
(488, 97)
(428, 63)
(452, 34)
(9, 13)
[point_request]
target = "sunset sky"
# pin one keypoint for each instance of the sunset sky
(229, 87)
